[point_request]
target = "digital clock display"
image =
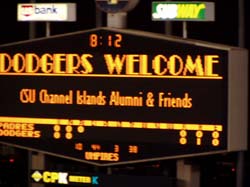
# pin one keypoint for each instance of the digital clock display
(114, 40)
(110, 96)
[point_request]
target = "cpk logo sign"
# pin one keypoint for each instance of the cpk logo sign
(46, 12)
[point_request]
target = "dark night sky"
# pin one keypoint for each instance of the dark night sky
(224, 30)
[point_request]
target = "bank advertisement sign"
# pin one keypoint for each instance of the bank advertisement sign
(46, 12)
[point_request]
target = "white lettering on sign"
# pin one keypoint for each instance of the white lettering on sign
(165, 11)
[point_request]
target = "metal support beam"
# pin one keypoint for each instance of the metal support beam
(117, 20)
(187, 174)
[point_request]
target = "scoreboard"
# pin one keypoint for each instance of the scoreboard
(109, 96)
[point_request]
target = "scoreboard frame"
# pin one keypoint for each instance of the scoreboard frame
(113, 96)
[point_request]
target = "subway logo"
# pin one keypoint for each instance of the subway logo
(198, 11)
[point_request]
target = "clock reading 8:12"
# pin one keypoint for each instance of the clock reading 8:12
(96, 40)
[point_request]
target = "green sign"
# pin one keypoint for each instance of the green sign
(182, 11)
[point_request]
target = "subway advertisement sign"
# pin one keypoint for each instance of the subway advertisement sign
(182, 11)
(108, 96)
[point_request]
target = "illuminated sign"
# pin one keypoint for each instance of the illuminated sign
(46, 12)
(182, 11)
(110, 96)
(66, 178)
(87, 179)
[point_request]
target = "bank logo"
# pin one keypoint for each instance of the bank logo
(26, 10)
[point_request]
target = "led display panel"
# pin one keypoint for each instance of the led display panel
(108, 96)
